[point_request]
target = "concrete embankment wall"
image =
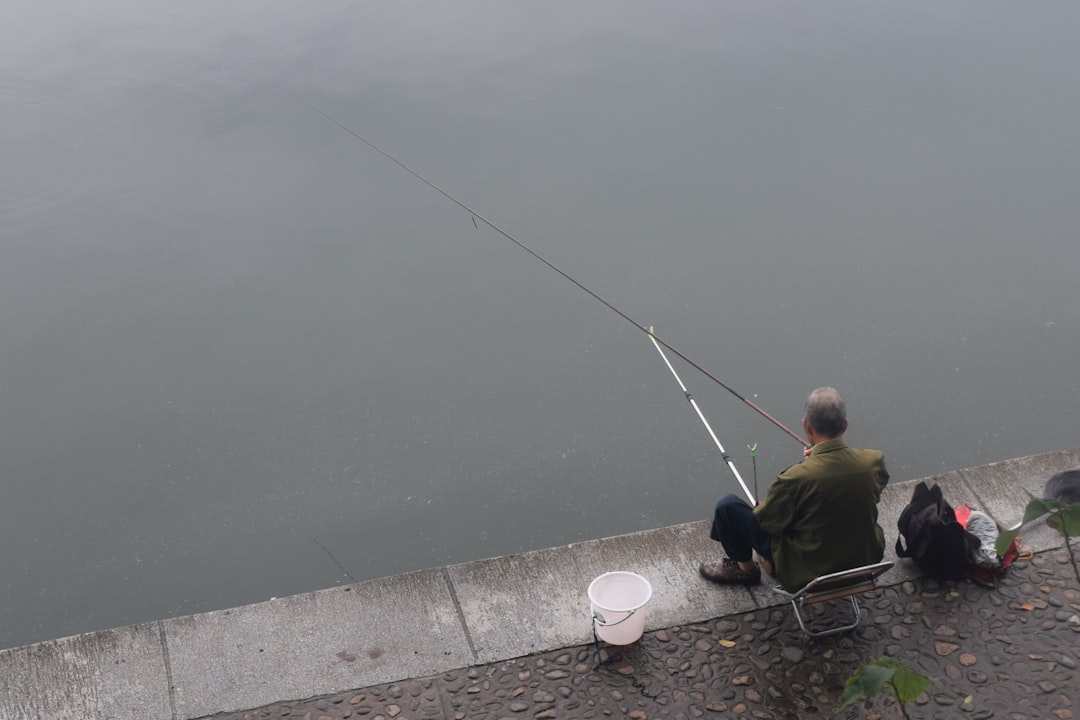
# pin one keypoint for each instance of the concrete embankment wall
(426, 622)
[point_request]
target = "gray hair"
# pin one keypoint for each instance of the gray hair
(826, 412)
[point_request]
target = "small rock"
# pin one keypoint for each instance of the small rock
(759, 662)
(792, 654)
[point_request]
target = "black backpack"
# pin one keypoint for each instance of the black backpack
(939, 545)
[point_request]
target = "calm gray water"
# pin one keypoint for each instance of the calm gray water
(242, 355)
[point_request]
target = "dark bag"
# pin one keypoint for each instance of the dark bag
(939, 545)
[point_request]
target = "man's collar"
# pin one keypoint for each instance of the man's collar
(836, 443)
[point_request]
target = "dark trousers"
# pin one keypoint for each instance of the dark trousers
(735, 527)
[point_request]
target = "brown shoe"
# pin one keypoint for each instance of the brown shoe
(728, 572)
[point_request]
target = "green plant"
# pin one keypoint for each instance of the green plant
(871, 677)
(1063, 517)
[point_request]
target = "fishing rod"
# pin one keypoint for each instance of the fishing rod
(478, 216)
(693, 404)
(753, 460)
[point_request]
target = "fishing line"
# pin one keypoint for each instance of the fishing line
(479, 216)
(336, 561)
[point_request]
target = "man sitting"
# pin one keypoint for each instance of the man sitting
(819, 517)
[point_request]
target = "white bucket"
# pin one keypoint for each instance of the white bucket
(618, 606)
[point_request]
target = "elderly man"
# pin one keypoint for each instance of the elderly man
(819, 517)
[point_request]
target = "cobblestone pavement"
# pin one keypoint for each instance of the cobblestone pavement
(1009, 652)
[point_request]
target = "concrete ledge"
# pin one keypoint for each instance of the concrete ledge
(537, 601)
(119, 673)
(426, 622)
(315, 643)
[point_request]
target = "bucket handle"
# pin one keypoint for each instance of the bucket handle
(598, 618)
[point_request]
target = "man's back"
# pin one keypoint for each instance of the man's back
(822, 513)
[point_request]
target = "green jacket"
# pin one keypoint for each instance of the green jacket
(822, 513)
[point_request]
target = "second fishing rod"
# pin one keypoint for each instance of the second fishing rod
(477, 216)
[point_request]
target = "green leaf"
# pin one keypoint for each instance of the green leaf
(1005, 540)
(1037, 507)
(868, 679)
(908, 684)
(1070, 518)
